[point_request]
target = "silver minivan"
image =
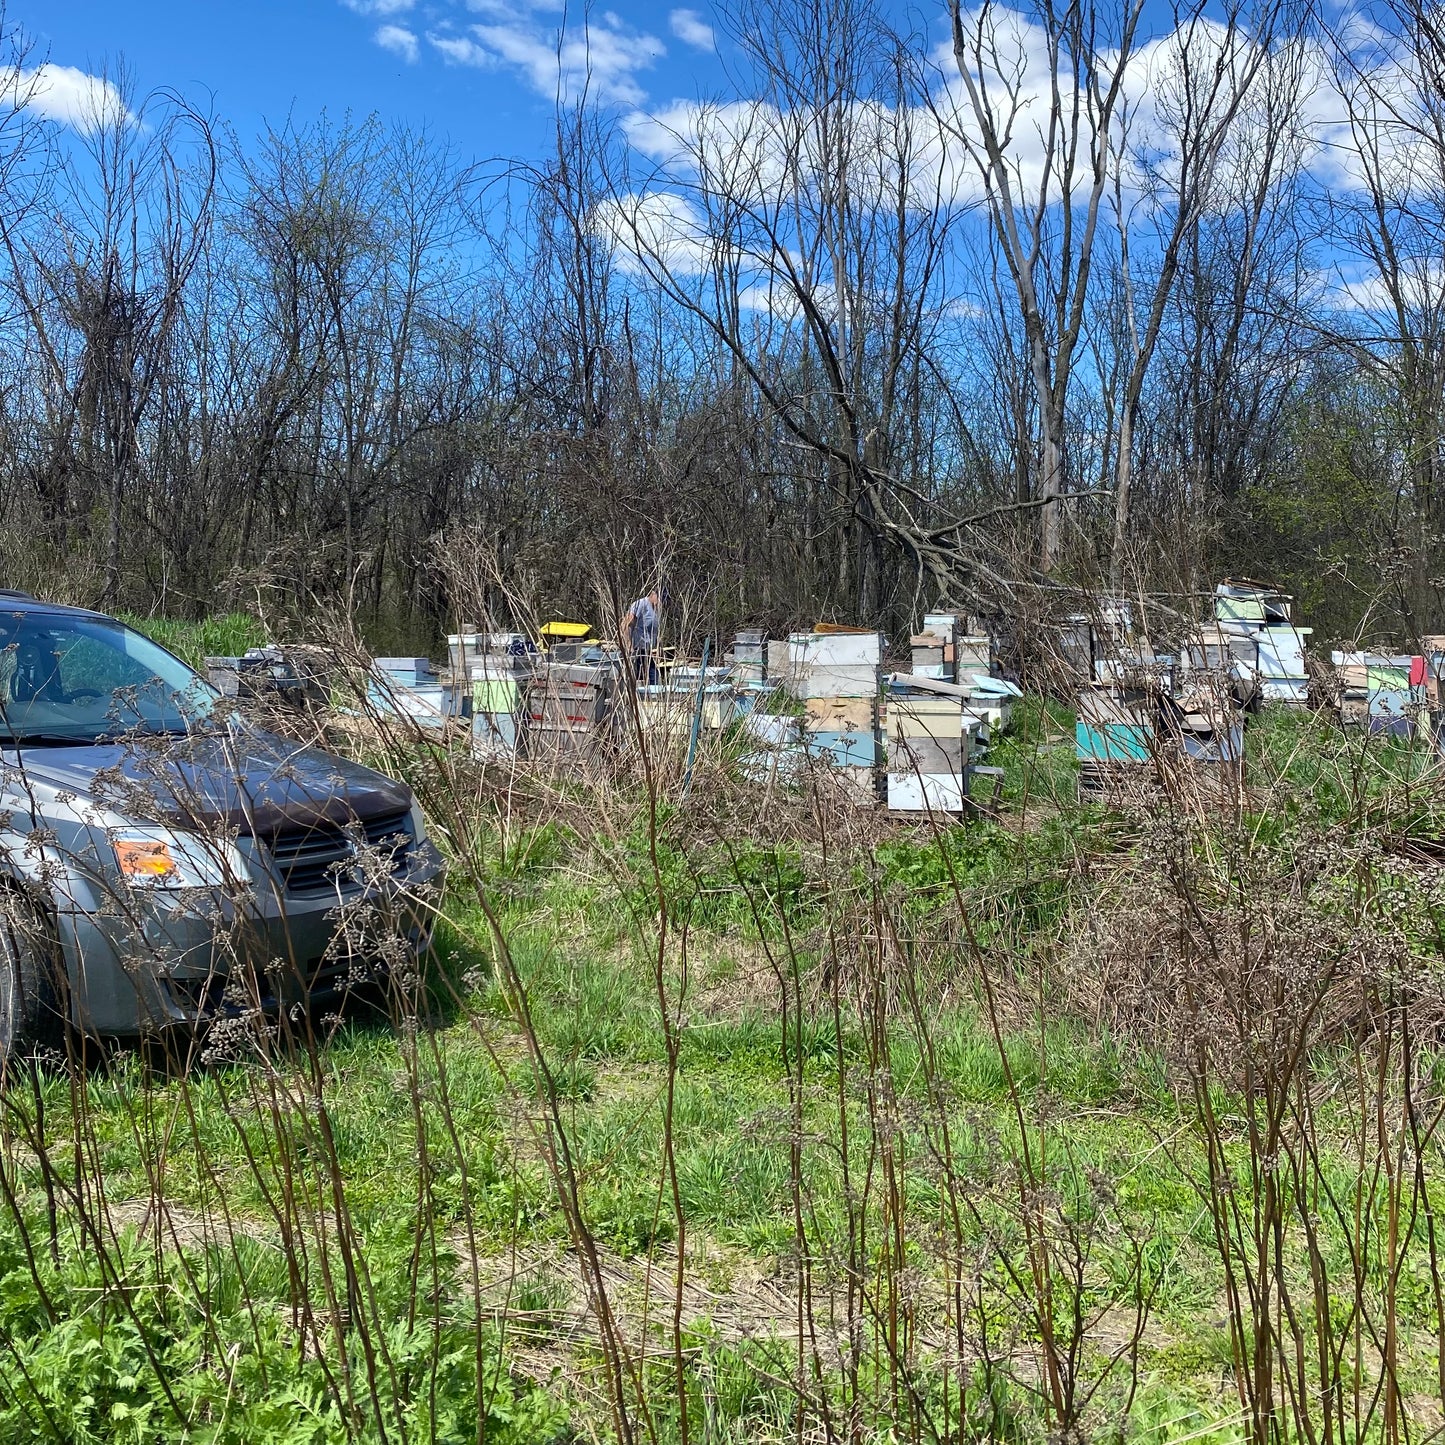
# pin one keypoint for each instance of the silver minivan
(164, 862)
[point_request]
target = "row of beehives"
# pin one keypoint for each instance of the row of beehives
(1252, 641)
(1190, 706)
(922, 730)
(510, 695)
(1145, 708)
(1256, 650)
(574, 698)
(1395, 693)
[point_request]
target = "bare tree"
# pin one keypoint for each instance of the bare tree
(1390, 210)
(1045, 176)
(128, 221)
(807, 234)
(1226, 103)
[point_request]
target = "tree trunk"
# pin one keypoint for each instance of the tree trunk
(1123, 480)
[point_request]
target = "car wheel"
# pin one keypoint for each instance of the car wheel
(29, 1012)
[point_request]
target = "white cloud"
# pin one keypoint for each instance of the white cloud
(691, 29)
(602, 58)
(458, 50)
(757, 153)
(509, 11)
(1362, 288)
(671, 239)
(379, 8)
(65, 95)
(657, 230)
(399, 40)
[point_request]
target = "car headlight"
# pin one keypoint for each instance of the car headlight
(418, 823)
(160, 858)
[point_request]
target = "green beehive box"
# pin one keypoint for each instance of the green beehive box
(495, 694)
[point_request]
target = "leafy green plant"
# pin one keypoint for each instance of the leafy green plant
(227, 636)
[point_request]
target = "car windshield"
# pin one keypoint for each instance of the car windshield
(76, 679)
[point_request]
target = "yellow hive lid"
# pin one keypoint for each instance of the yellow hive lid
(566, 631)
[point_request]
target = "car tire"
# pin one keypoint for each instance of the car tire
(29, 999)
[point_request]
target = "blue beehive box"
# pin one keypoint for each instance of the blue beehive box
(851, 749)
(1110, 742)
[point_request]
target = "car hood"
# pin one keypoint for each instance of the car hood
(251, 782)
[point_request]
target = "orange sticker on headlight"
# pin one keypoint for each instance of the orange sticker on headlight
(139, 859)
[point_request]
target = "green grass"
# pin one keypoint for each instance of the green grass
(193, 642)
(1037, 755)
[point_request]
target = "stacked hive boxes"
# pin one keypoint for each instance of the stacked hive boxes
(708, 695)
(463, 648)
(1113, 739)
(688, 693)
(749, 660)
(1434, 654)
(497, 676)
(834, 674)
(990, 702)
(1258, 619)
(411, 672)
(661, 709)
(1075, 648)
(1214, 675)
(972, 656)
(1352, 670)
(566, 703)
(565, 641)
(933, 648)
(780, 671)
(291, 676)
(929, 742)
(1218, 654)
(1282, 663)
(224, 674)
(1389, 693)
(942, 650)
(409, 687)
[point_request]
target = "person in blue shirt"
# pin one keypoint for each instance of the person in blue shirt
(639, 630)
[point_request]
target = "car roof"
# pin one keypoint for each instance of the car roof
(12, 601)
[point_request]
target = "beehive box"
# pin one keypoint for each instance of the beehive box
(973, 654)
(840, 714)
(842, 749)
(834, 681)
(919, 793)
(835, 649)
(494, 733)
(1112, 729)
(928, 751)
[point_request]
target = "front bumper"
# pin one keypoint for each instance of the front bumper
(153, 963)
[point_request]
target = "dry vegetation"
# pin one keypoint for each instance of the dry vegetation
(721, 1113)
(714, 1121)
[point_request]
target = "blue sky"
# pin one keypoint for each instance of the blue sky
(482, 72)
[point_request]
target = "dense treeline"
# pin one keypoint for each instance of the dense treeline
(1062, 301)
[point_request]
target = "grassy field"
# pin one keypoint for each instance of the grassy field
(726, 1122)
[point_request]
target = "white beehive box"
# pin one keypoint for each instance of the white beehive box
(925, 793)
(835, 649)
(827, 682)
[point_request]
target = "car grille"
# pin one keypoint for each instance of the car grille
(314, 860)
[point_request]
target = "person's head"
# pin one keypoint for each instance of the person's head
(655, 597)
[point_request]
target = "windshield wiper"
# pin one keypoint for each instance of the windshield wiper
(51, 740)
(55, 739)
